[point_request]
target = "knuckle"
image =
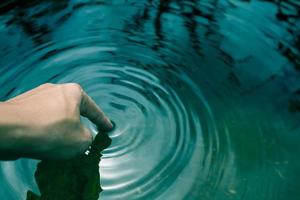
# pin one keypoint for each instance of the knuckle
(74, 86)
(74, 89)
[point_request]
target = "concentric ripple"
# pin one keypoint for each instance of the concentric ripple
(206, 110)
(156, 145)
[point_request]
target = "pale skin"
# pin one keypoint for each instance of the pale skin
(44, 123)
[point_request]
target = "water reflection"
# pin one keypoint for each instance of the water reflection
(77, 178)
(205, 94)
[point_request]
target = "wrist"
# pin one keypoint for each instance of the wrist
(12, 132)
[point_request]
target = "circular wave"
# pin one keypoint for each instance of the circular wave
(205, 110)
(162, 120)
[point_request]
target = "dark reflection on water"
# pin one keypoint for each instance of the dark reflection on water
(77, 178)
(205, 94)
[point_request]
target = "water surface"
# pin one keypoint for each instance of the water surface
(205, 95)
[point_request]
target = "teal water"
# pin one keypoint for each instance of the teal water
(205, 95)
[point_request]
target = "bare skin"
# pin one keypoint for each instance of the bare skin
(44, 123)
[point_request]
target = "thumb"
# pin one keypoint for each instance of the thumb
(87, 138)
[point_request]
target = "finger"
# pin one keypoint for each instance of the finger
(89, 109)
(88, 136)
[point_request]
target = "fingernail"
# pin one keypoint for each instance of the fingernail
(109, 123)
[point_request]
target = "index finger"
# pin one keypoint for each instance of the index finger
(89, 109)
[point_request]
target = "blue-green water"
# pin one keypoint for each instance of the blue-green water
(205, 94)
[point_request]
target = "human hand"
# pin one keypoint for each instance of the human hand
(44, 123)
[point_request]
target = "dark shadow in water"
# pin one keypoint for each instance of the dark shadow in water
(294, 104)
(33, 19)
(74, 179)
(288, 11)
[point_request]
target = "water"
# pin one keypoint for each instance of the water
(205, 95)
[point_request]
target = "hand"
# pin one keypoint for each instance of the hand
(44, 123)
